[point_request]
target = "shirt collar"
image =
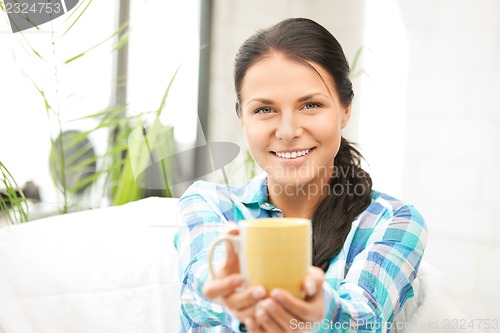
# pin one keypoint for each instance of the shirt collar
(255, 191)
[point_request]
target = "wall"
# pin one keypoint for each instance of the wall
(429, 126)
(452, 135)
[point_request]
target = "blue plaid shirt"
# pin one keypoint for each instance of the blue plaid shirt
(365, 286)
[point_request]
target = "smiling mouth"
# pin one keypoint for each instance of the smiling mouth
(293, 154)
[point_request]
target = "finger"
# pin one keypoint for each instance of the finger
(311, 310)
(244, 307)
(232, 262)
(244, 299)
(252, 326)
(244, 314)
(222, 287)
(313, 281)
(266, 321)
(232, 228)
(276, 312)
(310, 286)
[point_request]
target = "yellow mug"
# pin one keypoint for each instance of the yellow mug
(273, 252)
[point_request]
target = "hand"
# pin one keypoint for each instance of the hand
(225, 287)
(282, 312)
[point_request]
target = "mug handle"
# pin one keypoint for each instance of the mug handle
(235, 239)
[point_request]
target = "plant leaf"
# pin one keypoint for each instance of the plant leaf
(74, 11)
(165, 94)
(123, 40)
(17, 205)
(119, 30)
(79, 16)
(355, 61)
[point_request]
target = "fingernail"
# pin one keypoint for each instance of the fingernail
(310, 287)
(249, 323)
(261, 315)
(277, 295)
(258, 292)
(269, 305)
(237, 280)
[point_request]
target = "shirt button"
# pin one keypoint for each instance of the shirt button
(266, 205)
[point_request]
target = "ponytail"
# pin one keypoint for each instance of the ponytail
(349, 195)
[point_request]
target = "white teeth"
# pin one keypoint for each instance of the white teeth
(294, 154)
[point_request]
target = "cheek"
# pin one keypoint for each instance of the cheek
(255, 136)
(332, 148)
(329, 134)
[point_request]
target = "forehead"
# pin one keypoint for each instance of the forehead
(275, 71)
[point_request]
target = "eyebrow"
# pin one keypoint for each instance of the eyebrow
(302, 99)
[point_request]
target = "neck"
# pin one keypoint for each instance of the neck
(298, 200)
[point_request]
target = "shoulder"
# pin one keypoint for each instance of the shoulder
(388, 220)
(392, 224)
(203, 196)
(385, 208)
(202, 188)
(205, 201)
(219, 194)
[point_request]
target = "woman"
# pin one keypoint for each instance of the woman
(294, 97)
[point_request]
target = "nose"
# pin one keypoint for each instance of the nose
(288, 128)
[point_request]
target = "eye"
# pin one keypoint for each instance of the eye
(311, 105)
(264, 110)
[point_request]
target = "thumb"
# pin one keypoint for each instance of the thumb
(232, 263)
(313, 281)
(232, 229)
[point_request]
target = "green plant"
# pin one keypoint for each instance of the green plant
(355, 72)
(13, 202)
(112, 177)
(125, 187)
(250, 165)
(115, 175)
(69, 152)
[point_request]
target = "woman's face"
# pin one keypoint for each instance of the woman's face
(291, 120)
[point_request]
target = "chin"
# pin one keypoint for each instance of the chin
(295, 184)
